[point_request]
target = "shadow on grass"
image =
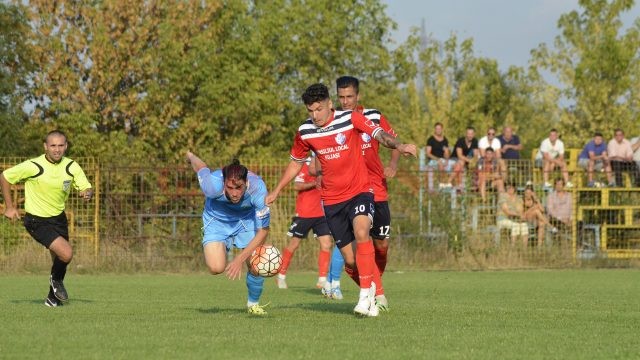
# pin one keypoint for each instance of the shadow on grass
(41, 301)
(326, 306)
(221, 310)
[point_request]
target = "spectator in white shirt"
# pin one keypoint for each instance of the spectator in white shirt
(490, 141)
(552, 152)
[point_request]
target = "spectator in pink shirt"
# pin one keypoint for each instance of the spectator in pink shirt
(560, 206)
(621, 157)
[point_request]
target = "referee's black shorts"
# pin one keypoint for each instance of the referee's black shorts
(46, 229)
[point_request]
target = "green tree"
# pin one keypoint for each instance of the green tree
(133, 80)
(15, 68)
(598, 69)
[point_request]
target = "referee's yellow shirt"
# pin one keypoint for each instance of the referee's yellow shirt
(46, 185)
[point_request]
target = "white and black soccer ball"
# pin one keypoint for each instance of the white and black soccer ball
(265, 261)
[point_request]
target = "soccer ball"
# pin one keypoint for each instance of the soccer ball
(265, 261)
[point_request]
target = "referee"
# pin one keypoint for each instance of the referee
(48, 180)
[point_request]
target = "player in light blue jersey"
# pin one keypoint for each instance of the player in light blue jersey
(234, 214)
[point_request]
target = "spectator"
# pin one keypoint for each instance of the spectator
(439, 156)
(465, 151)
(510, 214)
(535, 215)
(510, 145)
(594, 156)
(489, 141)
(491, 172)
(621, 157)
(552, 154)
(560, 206)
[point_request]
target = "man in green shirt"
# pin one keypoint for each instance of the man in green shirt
(47, 182)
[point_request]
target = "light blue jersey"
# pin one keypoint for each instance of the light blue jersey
(235, 224)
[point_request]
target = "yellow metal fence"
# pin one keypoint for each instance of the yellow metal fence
(149, 218)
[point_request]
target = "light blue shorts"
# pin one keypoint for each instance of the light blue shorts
(238, 233)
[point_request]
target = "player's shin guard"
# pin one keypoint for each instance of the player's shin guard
(337, 263)
(254, 285)
(323, 263)
(365, 262)
(58, 269)
(381, 259)
(286, 260)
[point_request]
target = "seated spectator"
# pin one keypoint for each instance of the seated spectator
(491, 172)
(560, 206)
(594, 156)
(510, 145)
(552, 154)
(535, 215)
(621, 157)
(465, 151)
(489, 141)
(510, 215)
(439, 155)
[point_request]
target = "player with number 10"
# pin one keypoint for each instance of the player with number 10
(335, 137)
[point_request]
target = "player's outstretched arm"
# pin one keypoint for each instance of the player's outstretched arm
(387, 140)
(289, 174)
(196, 162)
(234, 268)
(10, 210)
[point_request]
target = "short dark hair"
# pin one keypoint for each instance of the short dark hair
(235, 171)
(489, 149)
(315, 93)
(346, 81)
(471, 128)
(597, 133)
(55, 133)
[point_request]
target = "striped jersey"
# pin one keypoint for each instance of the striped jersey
(370, 148)
(47, 185)
(218, 207)
(337, 145)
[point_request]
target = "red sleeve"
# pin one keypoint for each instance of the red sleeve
(384, 124)
(300, 149)
(364, 125)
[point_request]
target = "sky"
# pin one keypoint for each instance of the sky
(505, 30)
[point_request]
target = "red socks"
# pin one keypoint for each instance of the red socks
(324, 258)
(365, 262)
(381, 259)
(286, 259)
(353, 273)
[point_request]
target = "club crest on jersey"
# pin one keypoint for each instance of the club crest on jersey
(341, 139)
(365, 137)
(66, 185)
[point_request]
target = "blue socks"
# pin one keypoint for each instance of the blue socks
(337, 263)
(254, 285)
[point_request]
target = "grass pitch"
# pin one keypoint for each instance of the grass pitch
(575, 314)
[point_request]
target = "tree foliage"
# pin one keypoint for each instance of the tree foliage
(140, 81)
(461, 89)
(598, 67)
(15, 66)
(133, 80)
